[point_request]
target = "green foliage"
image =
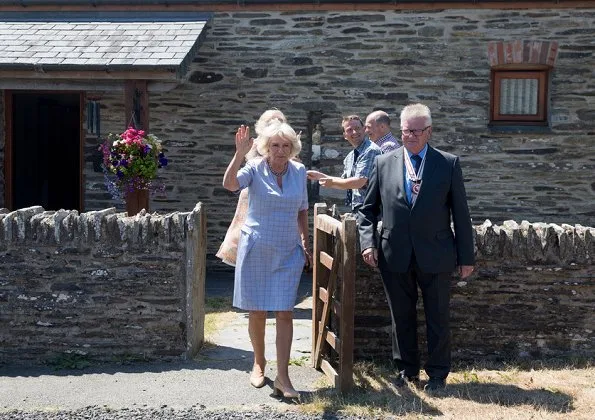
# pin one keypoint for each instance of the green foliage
(218, 304)
(70, 360)
(300, 361)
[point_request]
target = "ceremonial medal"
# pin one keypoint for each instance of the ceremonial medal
(414, 180)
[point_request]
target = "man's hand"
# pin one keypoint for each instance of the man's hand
(327, 182)
(370, 256)
(465, 271)
(315, 175)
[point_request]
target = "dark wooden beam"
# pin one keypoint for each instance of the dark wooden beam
(138, 89)
(82, 139)
(131, 74)
(309, 6)
(81, 85)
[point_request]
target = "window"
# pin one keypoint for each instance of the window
(519, 97)
(521, 71)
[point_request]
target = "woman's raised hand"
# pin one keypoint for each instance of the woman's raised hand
(243, 140)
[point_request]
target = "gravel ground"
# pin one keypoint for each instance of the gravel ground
(97, 413)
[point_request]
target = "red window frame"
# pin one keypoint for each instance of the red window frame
(540, 118)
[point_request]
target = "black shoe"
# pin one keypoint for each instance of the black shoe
(435, 384)
(402, 379)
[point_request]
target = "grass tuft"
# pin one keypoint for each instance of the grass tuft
(218, 313)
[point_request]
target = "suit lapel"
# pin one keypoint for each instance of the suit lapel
(430, 163)
(400, 177)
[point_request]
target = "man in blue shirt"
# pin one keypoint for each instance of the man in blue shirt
(357, 165)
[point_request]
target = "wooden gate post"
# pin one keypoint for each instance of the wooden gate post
(195, 279)
(333, 295)
(347, 317)
(318, 274)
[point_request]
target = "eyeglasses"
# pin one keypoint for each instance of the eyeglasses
(416, 133)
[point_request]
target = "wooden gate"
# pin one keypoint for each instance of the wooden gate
(333, 296)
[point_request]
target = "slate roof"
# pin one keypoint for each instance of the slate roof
(84, 41)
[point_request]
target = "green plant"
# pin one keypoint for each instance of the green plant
(470, 377)
(70, 360)
(218, 304)
(299, 361)
(129, 358)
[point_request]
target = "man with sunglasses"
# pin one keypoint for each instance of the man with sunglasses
(418, 190)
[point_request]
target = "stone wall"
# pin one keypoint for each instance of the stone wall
(100, 285)
(108, 287)
(317, 66)
(531, 296)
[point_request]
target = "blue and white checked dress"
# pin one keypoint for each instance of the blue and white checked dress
(270, 256)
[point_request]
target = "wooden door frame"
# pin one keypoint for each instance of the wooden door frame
(8, 142)
(8, 149)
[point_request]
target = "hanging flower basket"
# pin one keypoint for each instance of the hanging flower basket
(130, 164)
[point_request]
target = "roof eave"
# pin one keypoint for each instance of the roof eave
(103, 72)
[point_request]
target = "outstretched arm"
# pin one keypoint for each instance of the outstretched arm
(315, 175)
(352, 183)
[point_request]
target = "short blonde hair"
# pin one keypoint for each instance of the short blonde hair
(266, 118)
(283, 130)
(416, 111)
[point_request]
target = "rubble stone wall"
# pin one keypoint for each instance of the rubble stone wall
(104, 286)
(532, 295)
(98, 285)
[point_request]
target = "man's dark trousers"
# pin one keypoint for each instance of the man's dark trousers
(401, 292)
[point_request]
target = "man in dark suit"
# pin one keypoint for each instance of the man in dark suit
(418, 190)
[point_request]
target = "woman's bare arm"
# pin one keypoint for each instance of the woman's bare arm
(243, 146)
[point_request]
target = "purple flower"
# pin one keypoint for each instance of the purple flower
(120, 156)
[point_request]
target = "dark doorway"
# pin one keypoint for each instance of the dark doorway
(46, 150)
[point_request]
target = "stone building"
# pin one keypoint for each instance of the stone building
(511, 86)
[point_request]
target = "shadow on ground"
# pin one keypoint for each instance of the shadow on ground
(508, 396)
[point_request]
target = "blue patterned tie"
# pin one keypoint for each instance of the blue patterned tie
(416, 162)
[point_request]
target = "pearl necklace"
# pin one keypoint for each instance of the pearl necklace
(278, 174)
